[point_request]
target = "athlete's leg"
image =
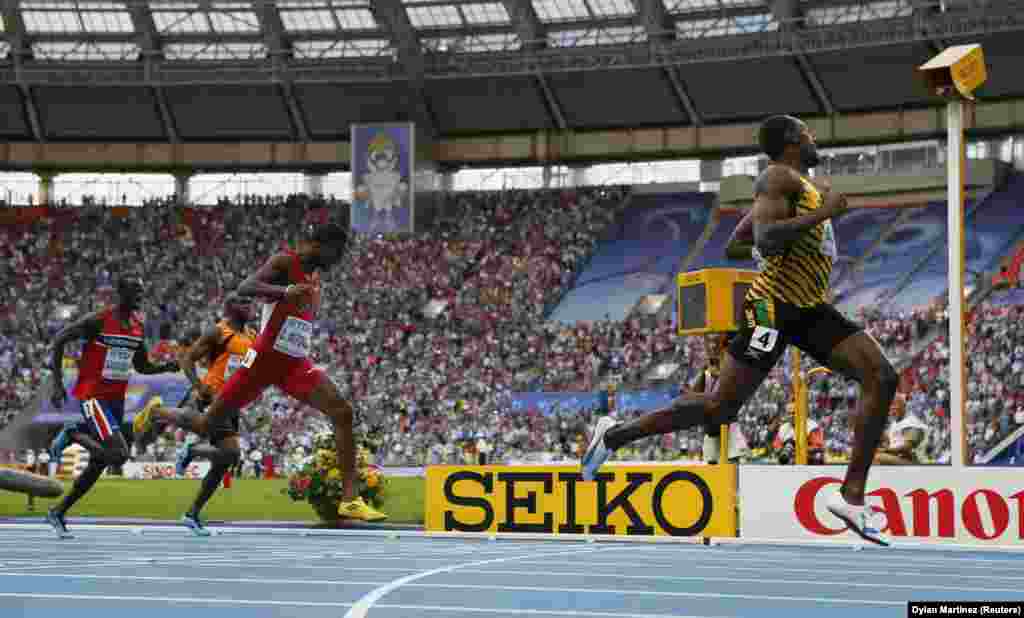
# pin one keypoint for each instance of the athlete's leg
(738, 383)
(111, 452)
(222, 456)
(326, 398)
(312, 386)
(860, 358)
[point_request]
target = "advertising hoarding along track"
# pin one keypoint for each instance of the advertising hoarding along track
(919, 504)
(640, 501)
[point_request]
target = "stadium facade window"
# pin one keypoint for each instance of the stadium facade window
(113, 189)
(689, 6)
(69, 16)
(471, 44)
(193, 17)
(208, 189)
(434, 16)
(84, 51)
(324, 15)
(215, 51)
(850, 13)
(486, 13)
(308, 21)
(612, 35)
(726, 26)
(338, 185)
(561, 10)
(355, 48)
(19, 188)
(612, 8)
(680, 170)
(498, 179)
(356, 19)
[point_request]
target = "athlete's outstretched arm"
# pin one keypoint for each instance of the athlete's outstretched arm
(202, 349)
(89, 327)
(741, 243)
(263, 282)
(775, 227)
(145, 367)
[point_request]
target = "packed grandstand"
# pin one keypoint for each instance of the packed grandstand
(460, 343)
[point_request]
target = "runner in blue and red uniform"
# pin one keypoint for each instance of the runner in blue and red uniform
(114, 348)
(290, 284)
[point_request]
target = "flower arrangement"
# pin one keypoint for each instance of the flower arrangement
(318, 480)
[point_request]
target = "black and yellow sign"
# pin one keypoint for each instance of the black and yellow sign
(711, 300)
(654, 500)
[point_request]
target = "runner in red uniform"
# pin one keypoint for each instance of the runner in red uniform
(290, 282)
(114, 347)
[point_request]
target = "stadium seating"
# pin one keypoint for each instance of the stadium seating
(457, 383)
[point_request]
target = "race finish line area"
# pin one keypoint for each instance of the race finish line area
(161, 571)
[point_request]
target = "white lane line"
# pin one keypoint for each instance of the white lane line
(438, 608)
(699, 562)
(414, 576)
(364, 604)
(629, 566)
(814, 554)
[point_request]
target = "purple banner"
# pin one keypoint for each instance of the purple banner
(382, 178)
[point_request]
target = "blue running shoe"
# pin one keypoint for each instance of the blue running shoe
(60, 442)
(59, 525)
(182, 459)
(192, 522)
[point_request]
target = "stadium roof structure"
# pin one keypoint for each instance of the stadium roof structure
(305, 70)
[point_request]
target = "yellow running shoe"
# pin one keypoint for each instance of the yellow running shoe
(358, 509)
(142, 424)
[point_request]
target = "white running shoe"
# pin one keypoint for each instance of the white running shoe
(597, 453)
(858, 518)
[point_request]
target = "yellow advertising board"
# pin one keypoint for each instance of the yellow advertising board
(635, 500)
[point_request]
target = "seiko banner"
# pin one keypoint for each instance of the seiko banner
(917, 504)
(163, 470)
(648, 500)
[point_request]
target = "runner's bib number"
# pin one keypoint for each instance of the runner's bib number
(764, 339)
(118, 365)
(235, 362)
(295, 338)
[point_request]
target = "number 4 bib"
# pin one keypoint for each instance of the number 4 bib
(764, 339)
(295, 338)
(118, 365)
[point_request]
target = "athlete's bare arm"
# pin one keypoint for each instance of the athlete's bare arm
(143, 365)
(775, 225)
(741, 243)
(203, 348)
(265, 282)
(88, 328)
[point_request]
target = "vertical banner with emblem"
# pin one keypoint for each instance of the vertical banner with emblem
(383, 168)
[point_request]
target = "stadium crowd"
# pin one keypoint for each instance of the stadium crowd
(430, 334)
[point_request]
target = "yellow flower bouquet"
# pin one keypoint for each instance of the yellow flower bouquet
(318, 481)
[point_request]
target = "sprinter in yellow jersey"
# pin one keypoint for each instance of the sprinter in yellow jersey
(222, 348)
(789, 232)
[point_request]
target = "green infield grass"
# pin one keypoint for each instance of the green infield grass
(246, 500)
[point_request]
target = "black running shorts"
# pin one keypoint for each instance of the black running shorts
(771, 325)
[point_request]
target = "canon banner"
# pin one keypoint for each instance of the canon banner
(918, 504)
(661, 500)
(383, 169)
